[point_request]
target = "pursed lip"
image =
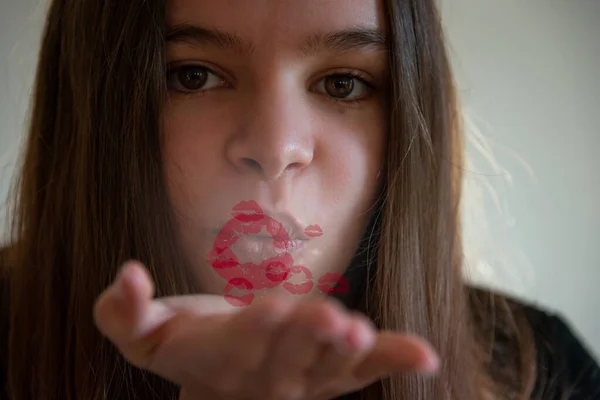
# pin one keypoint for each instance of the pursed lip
(276, 225)
(267, 245)
(267, 239)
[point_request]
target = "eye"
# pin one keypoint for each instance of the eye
(343, 86)
(193, 78)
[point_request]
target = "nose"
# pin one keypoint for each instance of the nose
(273, 137)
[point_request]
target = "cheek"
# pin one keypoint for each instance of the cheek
(353, 156)
(191, 142)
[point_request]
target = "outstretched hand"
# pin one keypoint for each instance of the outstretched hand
(276, 348)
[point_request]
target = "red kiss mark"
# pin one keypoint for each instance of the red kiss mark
(333, 283)
(300, 288)
(270, 272)
(313, 231)
(248, 218)
(240, 300)
(277, 271)
(247, 207)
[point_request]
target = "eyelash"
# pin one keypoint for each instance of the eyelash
(172, 69)
(354, 74)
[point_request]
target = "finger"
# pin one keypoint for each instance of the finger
(339, 359)
(125, 311)
(397, 353)
(200, 305)
(298, 345)
(126, 314)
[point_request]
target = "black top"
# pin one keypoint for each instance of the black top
(565, 369)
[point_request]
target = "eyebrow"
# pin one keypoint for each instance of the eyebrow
(196, 35)
(346, 41)
(337, 41)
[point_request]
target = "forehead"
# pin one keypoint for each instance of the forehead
(270, 21)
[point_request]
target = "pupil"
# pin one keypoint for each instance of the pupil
(340, 86)
(193, 79)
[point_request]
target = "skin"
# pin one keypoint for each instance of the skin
(275, 348)
(264, 127)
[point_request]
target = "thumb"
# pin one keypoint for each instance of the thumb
(126, 314)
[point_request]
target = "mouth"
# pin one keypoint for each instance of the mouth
(266, 240)
(280, 225)
(257, 248)
(258, 235)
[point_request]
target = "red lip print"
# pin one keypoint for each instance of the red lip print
(277, 271)
(333, 283)
(249, 219)
(246, 207)
(300, 288)
(313, 231)
(240, 300)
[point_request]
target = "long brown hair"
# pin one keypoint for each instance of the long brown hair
(91, 195)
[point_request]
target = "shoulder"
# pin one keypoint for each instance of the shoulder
(565, 367)
(565, 364)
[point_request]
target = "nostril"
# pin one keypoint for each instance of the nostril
(293, 166)
(252, 164)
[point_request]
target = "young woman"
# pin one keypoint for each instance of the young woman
(248, 154)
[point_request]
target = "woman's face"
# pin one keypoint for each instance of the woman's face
(274, 134)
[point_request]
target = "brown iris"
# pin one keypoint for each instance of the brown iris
(192, 78)
(339, 86)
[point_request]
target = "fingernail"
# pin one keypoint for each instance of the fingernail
(432, 363)
(366, 320)
(117, 290)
